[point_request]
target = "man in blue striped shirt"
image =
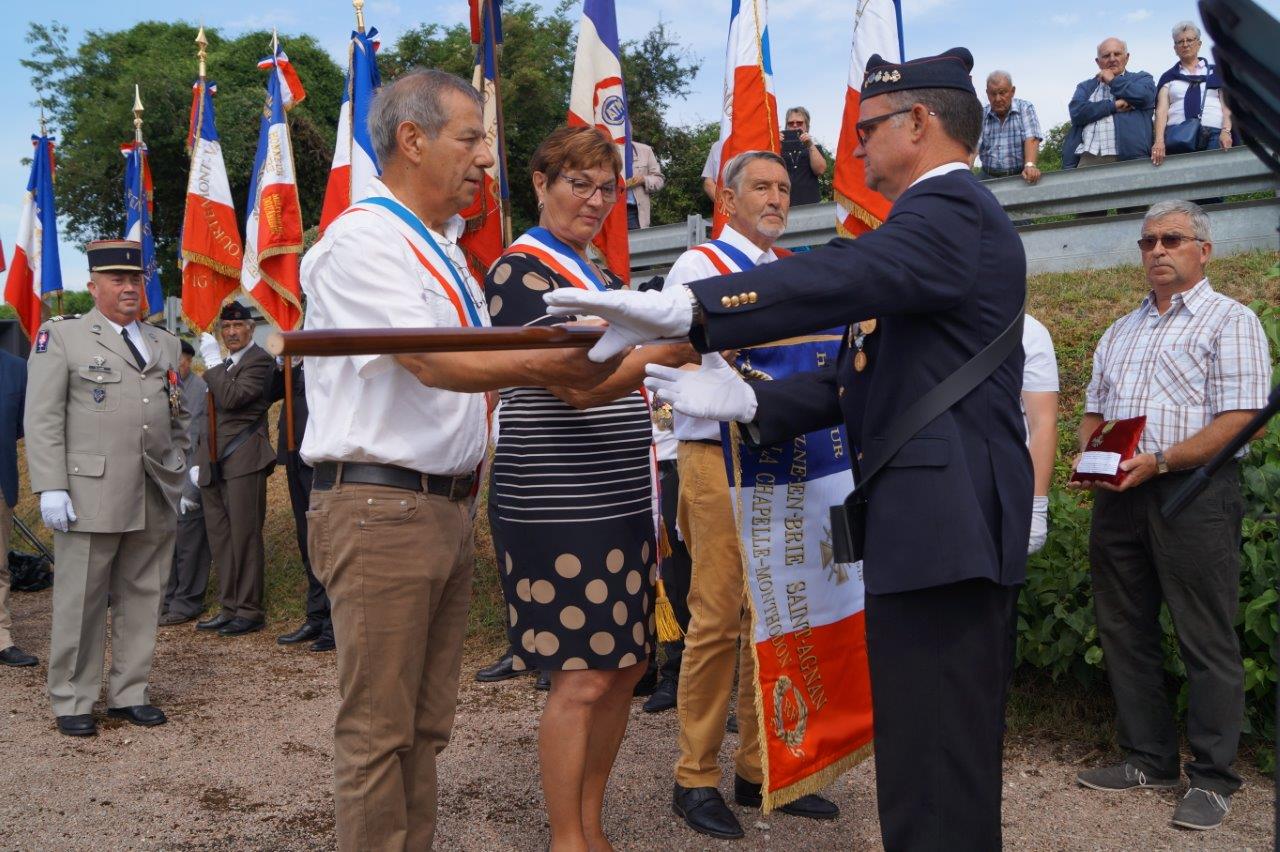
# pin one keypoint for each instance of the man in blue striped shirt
(1011, 133)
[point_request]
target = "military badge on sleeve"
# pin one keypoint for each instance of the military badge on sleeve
(42, 340)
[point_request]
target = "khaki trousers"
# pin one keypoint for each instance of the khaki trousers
(6, 527)
(129, 567)
(719, 626)
(397, 566)
(234, 511)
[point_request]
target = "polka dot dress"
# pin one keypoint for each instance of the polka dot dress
(571, 505)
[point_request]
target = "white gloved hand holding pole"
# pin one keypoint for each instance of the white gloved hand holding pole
(56, 510)
(194, 475)
(714, 391)
(634, 316)
(1039, 524)
(186, 504)
(210, 351)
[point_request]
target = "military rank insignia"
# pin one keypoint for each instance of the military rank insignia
(175, 391)
(99, 395)
(42, 340)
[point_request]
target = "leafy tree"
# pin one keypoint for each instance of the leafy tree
(683, 154)
(536, 73)
(87, 92)
(1050, 159)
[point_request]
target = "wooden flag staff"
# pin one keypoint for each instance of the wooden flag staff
(404, 341)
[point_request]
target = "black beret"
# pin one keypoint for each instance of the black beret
(234, 311)
(187, 348)
(949, 70)
(114, 256)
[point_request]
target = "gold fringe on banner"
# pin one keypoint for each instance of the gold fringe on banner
(857, 211)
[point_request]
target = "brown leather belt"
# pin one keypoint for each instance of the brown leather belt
(329, 474)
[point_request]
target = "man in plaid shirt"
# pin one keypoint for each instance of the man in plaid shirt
(1196, 364)
(1011, 133)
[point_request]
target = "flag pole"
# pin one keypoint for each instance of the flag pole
(44, 137)
(137, 115)
(505, 203)
(359, 7)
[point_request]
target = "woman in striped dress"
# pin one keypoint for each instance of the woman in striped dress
(573, 497)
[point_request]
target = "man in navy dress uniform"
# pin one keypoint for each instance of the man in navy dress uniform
(949, 514)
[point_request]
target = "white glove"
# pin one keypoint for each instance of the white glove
(634, 316)
(55, 509)
(210, 351)
(194, 475)
(186, 504)
(1039, 523)
(715, 391)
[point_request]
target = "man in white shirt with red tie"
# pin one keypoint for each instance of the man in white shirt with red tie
(395, 442)
(757, 195)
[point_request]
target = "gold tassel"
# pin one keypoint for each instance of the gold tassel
(664, 543)
(665, 615)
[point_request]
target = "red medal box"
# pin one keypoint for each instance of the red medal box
(1112, 442)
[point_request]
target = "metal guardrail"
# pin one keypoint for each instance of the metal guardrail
(1092, 242)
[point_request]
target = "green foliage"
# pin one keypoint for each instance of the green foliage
(1057, 632)
(536, 72)
(683, 154)
(87, 91)
(1050, 159)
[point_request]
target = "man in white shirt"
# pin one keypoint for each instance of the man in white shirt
(757, 196)
(395, 442)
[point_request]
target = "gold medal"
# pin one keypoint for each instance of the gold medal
(661, 417)
(860, 361)
(867, 326)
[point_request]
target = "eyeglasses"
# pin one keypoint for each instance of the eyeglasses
(585, 189)
(1169, 241)
(1186, 42)
(795, 123)
(864, 127)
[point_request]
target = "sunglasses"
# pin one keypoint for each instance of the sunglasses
(585, 189)
(1169, 241)
(864, 127)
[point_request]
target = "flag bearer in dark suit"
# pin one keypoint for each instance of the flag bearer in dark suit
(318, 628)
(234, 491)
(184, 594)
(949, 515)
(106, 434)
(13, 389)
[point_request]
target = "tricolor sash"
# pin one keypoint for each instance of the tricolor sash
(551, 250)
(434, 260)
(813, 685)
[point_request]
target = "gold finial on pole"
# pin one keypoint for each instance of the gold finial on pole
(275, 43)
(202, 46)
(137, 114)
(359, 6)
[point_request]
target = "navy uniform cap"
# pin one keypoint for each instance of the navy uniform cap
(114, 256)
(234, 311)
(949, 70)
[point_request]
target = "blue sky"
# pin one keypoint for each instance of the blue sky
(1048, 47)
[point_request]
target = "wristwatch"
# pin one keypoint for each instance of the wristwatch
(698, 316)
(1162, 466)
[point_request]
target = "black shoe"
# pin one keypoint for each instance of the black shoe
(241, 626)
(308, 632)
(146, 715)
(703, 808)
(324, 643)
(503, 669)
(15, 656)
(171, 618)
(731, 724)
(544, 681)
(811, 806)
(81, 725)
(664, 696)
(647, 683)
(218, 622)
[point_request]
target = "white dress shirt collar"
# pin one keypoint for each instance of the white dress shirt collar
(744, 245)
(938, 171)
(135, 335)
(236, 356)
(452, 229)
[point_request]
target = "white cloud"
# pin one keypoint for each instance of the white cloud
(1137, 15)
(1064, 20)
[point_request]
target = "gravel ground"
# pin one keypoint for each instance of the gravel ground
(244, 763)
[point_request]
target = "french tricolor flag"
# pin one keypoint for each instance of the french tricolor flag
(211, 248)
(273, 229)
(354, 161)
(749, 118)
(598, 99)
(291, 91)
(488, 221)
(877, 28)
(35, 269)
(138, 203)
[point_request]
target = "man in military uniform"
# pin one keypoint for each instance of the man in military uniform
(948, 515)
(106, 433)
(234, 489)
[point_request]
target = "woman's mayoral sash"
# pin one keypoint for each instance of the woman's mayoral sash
(558, 256)
(813, 686)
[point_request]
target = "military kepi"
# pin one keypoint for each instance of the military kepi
(114, 256)
(234, 311)
(949, 70)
